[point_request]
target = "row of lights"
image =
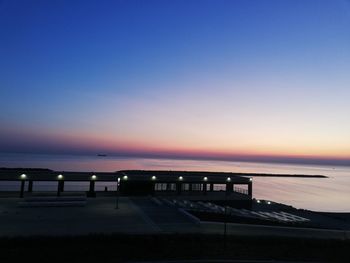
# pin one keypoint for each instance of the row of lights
(267, 202)
(125, 177)
(153, 178)
(59, 177)
(180, 178)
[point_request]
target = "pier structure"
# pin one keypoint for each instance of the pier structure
(179, 184)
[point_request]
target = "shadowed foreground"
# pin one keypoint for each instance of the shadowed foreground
(120, 247)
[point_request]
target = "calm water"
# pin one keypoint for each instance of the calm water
(330, 194)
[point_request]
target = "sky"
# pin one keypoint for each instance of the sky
(233, 80)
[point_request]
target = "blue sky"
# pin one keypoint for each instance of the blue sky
(196, 78)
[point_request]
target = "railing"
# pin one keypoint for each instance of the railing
(240, 190)
(161, 187)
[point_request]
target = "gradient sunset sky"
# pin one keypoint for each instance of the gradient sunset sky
(233, 80)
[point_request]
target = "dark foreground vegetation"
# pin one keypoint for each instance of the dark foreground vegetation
(120, 248)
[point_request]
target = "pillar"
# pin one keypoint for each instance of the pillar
(190, 187)
(30, 186)
(60, 187)
(178, 188)
(204, 188)
(22, 189)
(250, 189)
(229, 187)
(211, 187)
(92, 186)
(91, 192)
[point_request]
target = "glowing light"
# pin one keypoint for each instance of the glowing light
(250, 179)
(228, 179)
(205, 178)
(93, 177)
(258, 201)
(23, 176)
(60, 176)
(125, 177)
(180, 178)
(153, 178)
(268, 202)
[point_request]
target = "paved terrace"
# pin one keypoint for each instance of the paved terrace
(137, 215)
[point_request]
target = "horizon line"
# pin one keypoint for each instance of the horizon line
(281, 159)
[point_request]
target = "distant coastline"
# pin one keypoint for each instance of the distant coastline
(287, 175)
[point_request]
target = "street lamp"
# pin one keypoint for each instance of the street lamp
(117, 194)
(60, 185)
(23, 179)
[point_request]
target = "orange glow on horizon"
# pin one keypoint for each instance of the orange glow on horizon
(96, 143)
(111, 145)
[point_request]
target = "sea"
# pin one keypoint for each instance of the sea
(330, 194)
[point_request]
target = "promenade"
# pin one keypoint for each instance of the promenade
(134, 216)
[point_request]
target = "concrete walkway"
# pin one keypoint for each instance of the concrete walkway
(167, 219)
(98, 216)
(134, 216)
